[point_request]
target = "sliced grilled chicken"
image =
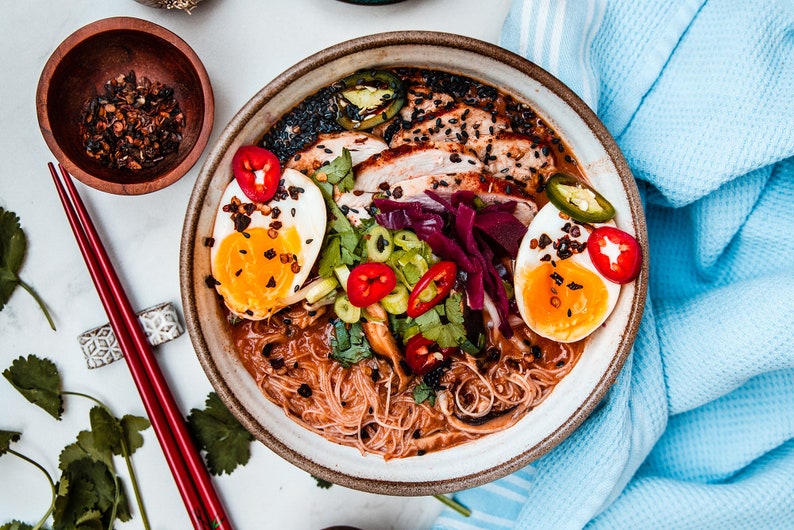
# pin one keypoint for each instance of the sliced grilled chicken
(329, 146)
(487, 187)
(470, 126)
(517, 156)
(383, 169)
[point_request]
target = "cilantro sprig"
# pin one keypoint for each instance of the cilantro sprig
(342, 243)
(6, 437)
(349, 345)
(89, 494)
(443, 324)
(13, 245)
(226, 443)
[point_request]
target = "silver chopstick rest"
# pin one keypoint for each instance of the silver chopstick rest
(160, 323)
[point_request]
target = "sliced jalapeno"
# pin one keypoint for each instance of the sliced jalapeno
(368, 98)
(577, 199)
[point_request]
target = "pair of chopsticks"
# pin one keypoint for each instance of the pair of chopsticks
(192, 479)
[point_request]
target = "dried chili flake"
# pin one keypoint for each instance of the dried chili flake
(134, 124)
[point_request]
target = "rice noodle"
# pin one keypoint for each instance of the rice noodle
(360, 406)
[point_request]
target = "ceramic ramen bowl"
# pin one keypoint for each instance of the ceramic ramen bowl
(487, 458)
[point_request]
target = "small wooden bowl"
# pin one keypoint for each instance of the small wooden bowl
(78, 70)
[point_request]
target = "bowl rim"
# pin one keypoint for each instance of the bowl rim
(114, 24)
(255, 104)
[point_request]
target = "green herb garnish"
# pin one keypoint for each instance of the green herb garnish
(343, 242)
(348, 344)
(424, 392)
(13, 246)
(443, 324)
(322, 483)
(226, 443)
(339, 171)
(89, 493)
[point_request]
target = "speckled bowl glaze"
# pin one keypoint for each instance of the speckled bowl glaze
(495, 455)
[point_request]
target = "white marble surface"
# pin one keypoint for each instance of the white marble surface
(243, 44)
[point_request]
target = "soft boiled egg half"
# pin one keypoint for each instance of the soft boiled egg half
(559, 292)
(258, 268)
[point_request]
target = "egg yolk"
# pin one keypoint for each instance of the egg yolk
(256, 272)
(564, 303)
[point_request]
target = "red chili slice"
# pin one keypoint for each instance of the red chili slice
(369, 282)
(423, 354)
(443, 275)
(615, 254)
(247, 162)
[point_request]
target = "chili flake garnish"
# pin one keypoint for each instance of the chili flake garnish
(133, 125)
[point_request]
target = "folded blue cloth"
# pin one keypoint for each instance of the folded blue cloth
(698, 431)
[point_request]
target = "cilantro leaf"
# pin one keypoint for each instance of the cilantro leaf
(340, 171)
(349, 345)
(424, 392)
(6, 437)
(38, 381)
(106, 431)
(220, 435)
(16, 525)
(132, 426)
(342, 240)
(86, 444)
(444, 325)
(321, 483)
(90, 491)
(13, 245)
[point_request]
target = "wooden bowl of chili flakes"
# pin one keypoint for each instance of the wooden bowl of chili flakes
(125, 105)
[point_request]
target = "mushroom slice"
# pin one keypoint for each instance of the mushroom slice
(385, 345)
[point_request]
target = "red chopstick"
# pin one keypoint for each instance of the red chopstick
(192, 479)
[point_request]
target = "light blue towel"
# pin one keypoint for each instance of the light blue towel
(698, 431)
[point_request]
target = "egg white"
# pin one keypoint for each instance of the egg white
(550, 221)
(302, 212)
